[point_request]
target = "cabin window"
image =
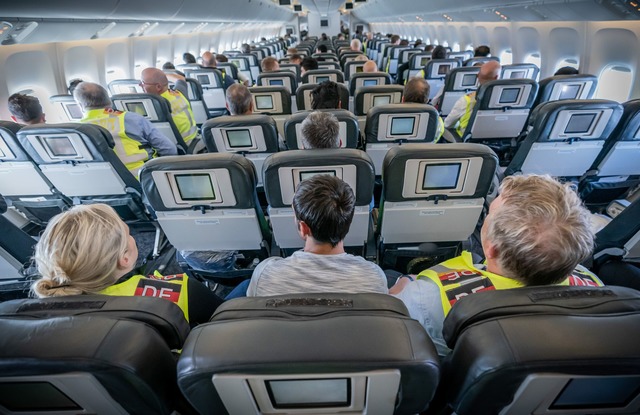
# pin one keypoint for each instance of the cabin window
(455, 47)
(533, 58)
(115, 73)
(469, 47)
(571, 62)
(614, 83)
(506, 57)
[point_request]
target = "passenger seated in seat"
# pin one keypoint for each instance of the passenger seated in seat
(308, 64)
(369, 67)
(416, 91)
(269, 64)
(324, 207)
(320, 130)
(88, 250)
(326, 96)
(26, 109)
(536, 233)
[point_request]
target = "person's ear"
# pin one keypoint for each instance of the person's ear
(490, 250)
(303, 229)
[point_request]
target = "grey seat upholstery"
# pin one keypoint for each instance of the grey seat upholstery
(196, 100)
(68, 110)
(435, 72)
(125, 86)
(253, 136)
(565, 137)
(333, 340)
(393, 125)
(16, 246)
(562, 87)
(358, 80)
(318, 76)
(368, 97)
(417, 62)
(283, 78)
(459, 82)
(213, 90)
(480, 60)
(544, 350)
(349, 129)
(620, 238)
(283, 172)
(23, 185)
(520, 71)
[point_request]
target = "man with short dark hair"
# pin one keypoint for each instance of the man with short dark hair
(395, 39)
(566, 70)
(308, 64)
(320, 130)
(481, 51)
(26, 109)
(416, 91)
(295, 59)
(326, 96)
(322, 49)
(324, 206)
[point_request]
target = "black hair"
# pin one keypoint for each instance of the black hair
(325, 96)
(188, 58)
(566, 70)
(439, 52)
(481, 51)
(25, 108)
(309, 64)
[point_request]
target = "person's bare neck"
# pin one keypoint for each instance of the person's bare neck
(315, 247)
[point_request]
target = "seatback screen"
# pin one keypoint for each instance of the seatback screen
(264, 102)
(423, 61)
(569, 92)
(239, 138)
(60, 146)
(74, 111)
(517, 74)
(591, 393)
(203, 79)
(370, 82)
(509, 96)
(304, 175)
(195, 186)
(35, 397)
(441, 176)
(402, 125)
(443, 69)
(469, 79)
(276, 82)
(381, 100)
(137, 107)
(321, 79)
(579, 123)
(359, 69)
(309, 393)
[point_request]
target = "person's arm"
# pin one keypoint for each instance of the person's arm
(255, 277)
(202, 302)
(140, 126)
(458, 110)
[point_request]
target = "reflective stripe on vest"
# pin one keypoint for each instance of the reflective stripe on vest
(171, 287)
(127, 149)
(182, 115)
(459, 277)
(440, 130)
(464, 120)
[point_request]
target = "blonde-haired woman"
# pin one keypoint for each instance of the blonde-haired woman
(87, 249)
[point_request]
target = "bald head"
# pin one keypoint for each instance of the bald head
(154, 81)
(370, 66)
(209, 60)
(356, 45)
(490, 71)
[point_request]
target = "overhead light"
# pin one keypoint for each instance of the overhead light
(18, 33)
(199, 27)
(140, 30)
(100, 33)
(175, 29)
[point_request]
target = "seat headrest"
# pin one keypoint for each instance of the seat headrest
(372, 126)
(547, 85)
(164, 316)
(8, 136)
(280, 96)
(153, 107)
(459, 79)
(123, 86)
(550, 300)
(628, 129)
(507, 93)
(265, 123)
(438, 68)
(326, 73)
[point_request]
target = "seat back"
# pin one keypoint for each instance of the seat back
(271, 100)
(512, 355)
(283, 172)
(292, 67)
(368, 97)
(390, 64)
(16, 246)
(283, 78)
(303, 96)
(253, 62)
(155, 109)
(434, 193)
(125, 86)
(321, 343)
(67, 109)
(358, 80)
(253, 136)
(330, 65)
(318, 76)
(353, 67)
(501, 110)
(213, 92)
(228, 69)
(462, 56)
(22, 183)
(120, 367)
(479, 61)
(565, 137)
(349, 129)
(417, 62)
(78, 159)
(560, 87)
(435, 72)
(206, 202)
(459, 81)
(195, 95)
(520, 71)
(392, 125)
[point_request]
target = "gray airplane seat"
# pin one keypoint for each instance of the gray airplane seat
(393, 56)
(619, 240)
(617, 168)
(360, 79)
(416, 63)
(67, 109)
(283, 78)
(22, 184)
(213, 91)
(228, 69)
(208, 203)
(348, 125)
(155, 109)
(458, 82)
(479, 61)
(435, 72)
(520, 71)
(565, 137)
(284, 171)
(274, 101)
(196, 100)
(243, 66)
(253, 62)
(79, 160)
(543, 350)
(393, 125)
(461, 56)
(367, 97)
(125, 86)
(318, 76)
(560, 87)
(303, 96)
(432, 194)
(85, 364)
(162, 315)
(348, 56)
(329, 65)
(253, 136)
(291, 67)
(16, 251)
(327, 354)
(500, 114)
(353, 67)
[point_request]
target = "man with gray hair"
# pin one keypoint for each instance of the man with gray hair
(320, 130)
(239, 100)
(136, 139)
(536, 233)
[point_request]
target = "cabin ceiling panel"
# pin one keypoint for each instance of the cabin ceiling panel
(321, 6)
